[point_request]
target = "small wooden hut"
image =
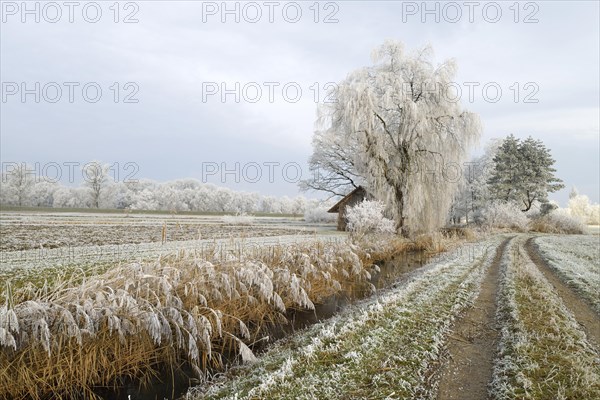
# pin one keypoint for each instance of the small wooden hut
(352, 198)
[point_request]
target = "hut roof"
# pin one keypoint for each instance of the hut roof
(336, 207)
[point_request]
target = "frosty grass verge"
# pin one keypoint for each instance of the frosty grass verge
(576, 260)
(385, 346)
(543, 353)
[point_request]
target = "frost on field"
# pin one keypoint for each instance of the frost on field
(51, 232)
(576, 260)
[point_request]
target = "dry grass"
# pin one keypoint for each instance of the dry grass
(464, 232)
(186, 308)
(384, 247)
(557, 224)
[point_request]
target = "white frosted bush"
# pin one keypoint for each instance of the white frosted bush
(367, 217)
(504, 215)
(558, 221)
(318, 214)
(594, 216)
(238, 219)
(580, 207)
(566, 223)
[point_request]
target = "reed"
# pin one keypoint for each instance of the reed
(187, 308)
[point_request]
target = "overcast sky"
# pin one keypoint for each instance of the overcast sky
(175, 60)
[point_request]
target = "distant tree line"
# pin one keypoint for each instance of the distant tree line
(19, 187)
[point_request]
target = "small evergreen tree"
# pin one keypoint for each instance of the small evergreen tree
(523, 173)
(503, 183)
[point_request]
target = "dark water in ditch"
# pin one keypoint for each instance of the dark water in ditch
(174, 384)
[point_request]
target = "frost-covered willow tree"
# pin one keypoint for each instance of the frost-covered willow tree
(407, 124)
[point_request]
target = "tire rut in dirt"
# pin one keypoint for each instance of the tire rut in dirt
(583, 313)
(472, 344)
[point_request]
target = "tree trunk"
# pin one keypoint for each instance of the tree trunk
(528, 202)
(400, 228)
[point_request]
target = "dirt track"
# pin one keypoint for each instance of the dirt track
(472, 345)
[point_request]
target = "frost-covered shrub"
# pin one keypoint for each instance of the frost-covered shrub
(566, 223)
(594, 215)
(504, 216)
(318, 214)
(558, 222)
(367, 217)
(581, 207)
(238, 219)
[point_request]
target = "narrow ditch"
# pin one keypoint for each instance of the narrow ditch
(171, 384)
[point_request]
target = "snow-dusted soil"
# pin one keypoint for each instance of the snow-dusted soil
(576, 259)
(47, 230)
